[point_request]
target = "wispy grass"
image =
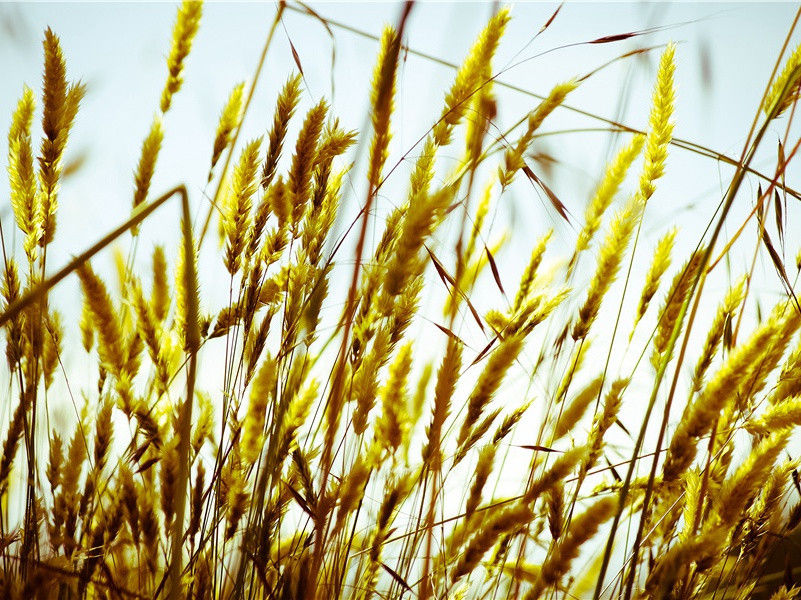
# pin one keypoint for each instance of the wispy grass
(343, 457)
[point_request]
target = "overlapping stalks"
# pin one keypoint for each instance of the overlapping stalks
(339, 460)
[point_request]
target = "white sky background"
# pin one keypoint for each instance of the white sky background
(119, 50)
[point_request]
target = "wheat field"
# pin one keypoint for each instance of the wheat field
(329, 382)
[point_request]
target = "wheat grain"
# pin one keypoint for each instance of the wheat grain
(147, 163)
(186, 25)
(488, 382)
(669, 315)
(659, 265)
(605, 193)
(239, 205)
(468, 78)
(612, 251)
(784, 90)
(513, 157)
(228, 122)
(284, 109)
(582, 528)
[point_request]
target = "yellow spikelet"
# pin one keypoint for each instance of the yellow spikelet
(483, 469)
(87, 330)
(675, 298)
(284, 109)
(13, 436)
(582, 528)
(749, 477)
(187, 298)
(661, 126)
(236, 503)
(149, 332)
(447, 377)
(147, 163)
(575, 410)
(659, 264)
(423, 216)
(789, 383)
(383, 95)
(397, 491)
(15, 329)
(51, 348)
(293, 419)
(229, 120)
(488, 382)
(20, 169)
(718, 393)
(531, 270)
(55, 86)
(779, 416)
(602, 422)
(160, 296)
(576, 362)
(692, 496)
(723, 317)
(560, 469)
(104, 431)
(784, 90)
(610, 184)
(105, 320)
(478, 220)
(334, 141)
(612, 252)
(239, 205)
(482, 113)
(513, 157)
(351, 490)
(669, 565)
(784, 594)
(509, 422)
(205, 422)
(791, 320)
(393, 420)
(469, 77)
(300, 173)
(493, 528)
(186, 25)
(555, 502)
(60, 105)
(260, 393)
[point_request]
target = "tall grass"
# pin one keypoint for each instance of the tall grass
(339, 458)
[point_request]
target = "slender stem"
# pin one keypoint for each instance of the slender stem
(192, 343)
